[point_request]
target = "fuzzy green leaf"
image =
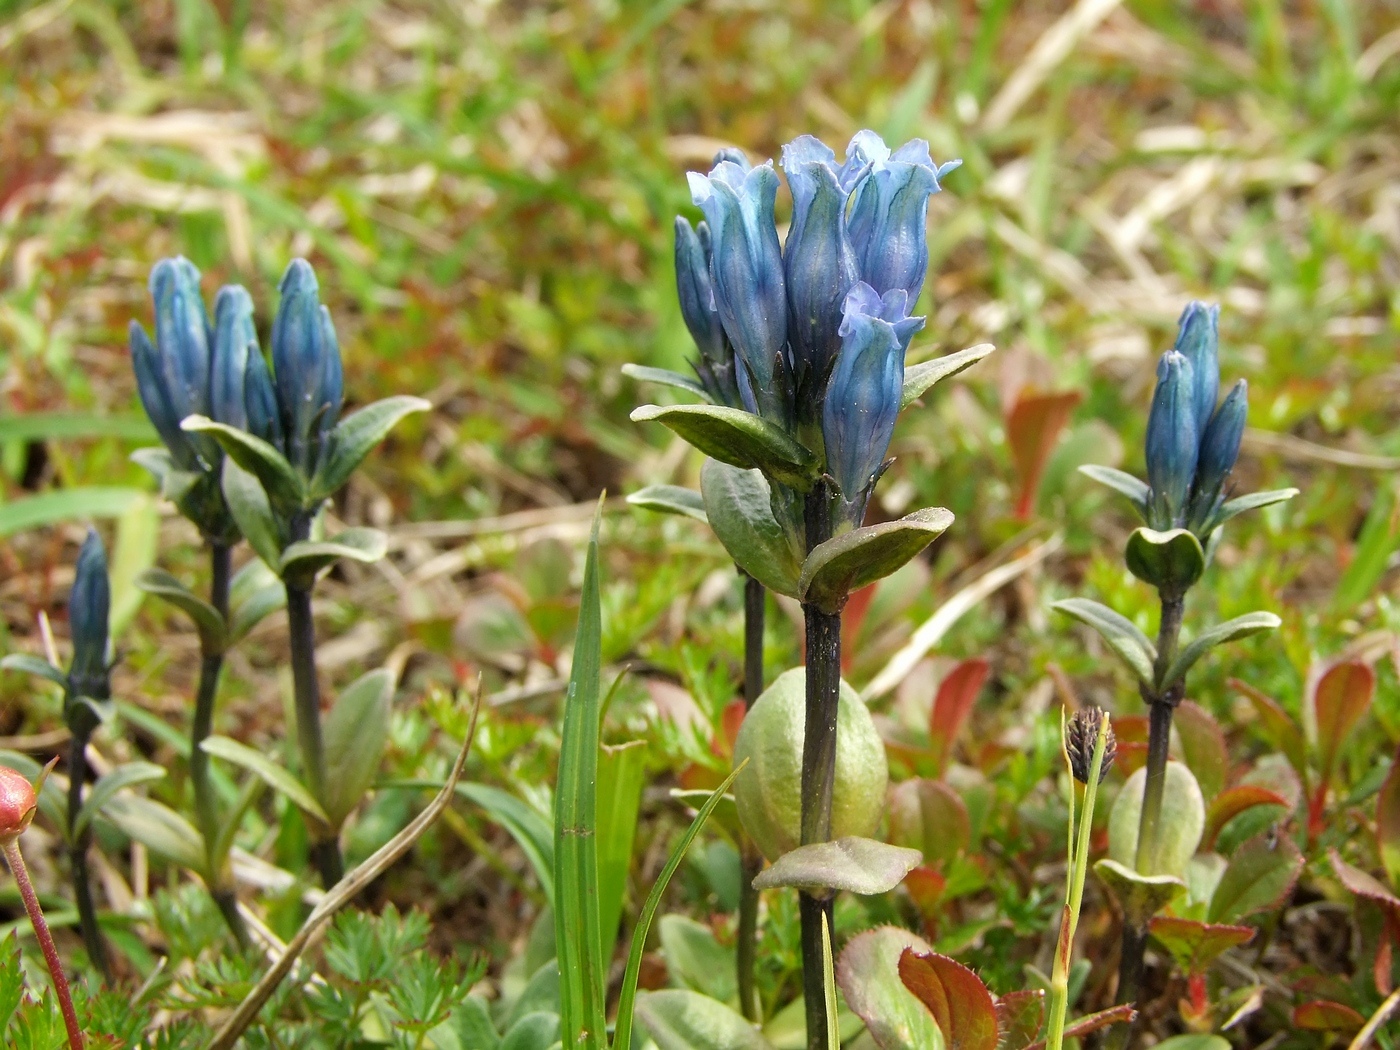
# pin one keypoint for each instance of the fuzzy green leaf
(739, 509)
(738, 438)
(848, 562)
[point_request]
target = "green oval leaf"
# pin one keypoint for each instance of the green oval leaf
(848, 562)
(739, 508)
(212, 634)
(1140, 896)
(254, 593)
(862, 866)
(158, 828)
(665, 377)
(283, 484)
(301, 561)
(738, 438)
(35, 665)
(684, 1020)
(868, 973)
(268, 771)
(670, 499)
(108, 785)
(1229, 631)
(1120, 481)
(354, 437)
(920, 377)
(252, 513)
(1122, 635)
(1171, 561)
(1260, 876)
(1252, 501)
(356, 730)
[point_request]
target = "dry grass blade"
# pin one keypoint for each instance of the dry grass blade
(341, 894)
(1299, 449)
(1382, 1014)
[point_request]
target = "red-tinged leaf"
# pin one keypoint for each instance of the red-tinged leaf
(1202, 746)
(1132, 729)
(729, 722)
(1261, 876)
(852, 619)
(1388, 823)
(1130, 756)
(1363, 884)
(1342, 696)
(1019, 1017)
(957, 998)
(1275, 773)
(1385, 954)
(1032, 427)
(1124, 1014)
(1279, 726)
(1195, 945)
(956, 695)
(1229, 804)
(1323, 1015)
(868, 975)
(926, 886)
(929, 816)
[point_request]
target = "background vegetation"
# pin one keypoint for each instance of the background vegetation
(487, 191)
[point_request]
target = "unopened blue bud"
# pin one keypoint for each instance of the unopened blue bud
(819, 262)
(732, 155)
(866, 387)
(235, 338)
(1172, 446)
(306, 366)
(747, 272)
(1198, 340)
(889, 215)
(89, 604)
(696, 292)
(156, 400)
(1219, 450)
(262, 419)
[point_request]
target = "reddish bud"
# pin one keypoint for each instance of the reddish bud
(17, 804)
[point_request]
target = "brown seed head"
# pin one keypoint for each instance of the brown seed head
(1081, 734)
(17, 804)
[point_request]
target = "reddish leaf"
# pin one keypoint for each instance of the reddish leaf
(1195, 945)
(1124, 1014)
(852, 618)
(1131, 731)
(957, 998)
(1228, 805)
(731, 718)
(1202, 746)
(926, 886)
(1388, 823)
(1019, 1017)
(956, 695)
(1342, 696)
(1261, 876)
(1032, 427)
(1364, 885)
(931, 817)
(1323, 1015)
(1279, 727)
(1275, 773)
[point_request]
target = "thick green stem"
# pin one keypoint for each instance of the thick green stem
(306, 689)
(751, 860)
(46, 945)
(1160, 707)
(77, 856)
(205, 802)
(818, 768)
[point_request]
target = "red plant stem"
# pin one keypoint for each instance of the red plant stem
(45, 938)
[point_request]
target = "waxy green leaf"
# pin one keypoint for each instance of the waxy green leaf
(212, 633)
(666, 377)
(1122, 635)
(670, 499)
(857, 865)
(738, 438)
(1171, 561)
(739, 509)
(848, 562)
(354, 437)
(1229, 631)
(920, 377)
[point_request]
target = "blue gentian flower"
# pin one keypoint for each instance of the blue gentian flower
(819, 263)
(715, 366)
(1220, 447)
(235, 340)
(1172, 441)
(306, 368)
(1198, 340)
(747, 274)
(89, 604)
(864, 394)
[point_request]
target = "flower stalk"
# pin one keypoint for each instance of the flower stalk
(750, 859)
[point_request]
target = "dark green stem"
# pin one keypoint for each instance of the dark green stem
(818, 768)
(301, 626)
(77, 856)
(205, 802)
(1161, 704)
(751, 860)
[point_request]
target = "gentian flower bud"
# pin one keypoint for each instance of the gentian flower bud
(863, 397)
(1172, 447)
(172, 376)
(235, 338)
(89, 603)
(306, 366)
(17, 804)
(889, 216)
(819, 263)
(1219, 450)
(1198, 340)
(746, 269)
(697, 297)
(262, 417)
(733, 155)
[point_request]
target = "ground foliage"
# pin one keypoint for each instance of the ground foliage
(487, 192)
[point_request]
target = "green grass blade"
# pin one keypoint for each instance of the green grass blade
(577, 926)
(833, 1028)
(627, 1000)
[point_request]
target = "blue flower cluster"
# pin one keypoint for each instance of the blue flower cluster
(1192, 443)
(812, 334)
(195, 367)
